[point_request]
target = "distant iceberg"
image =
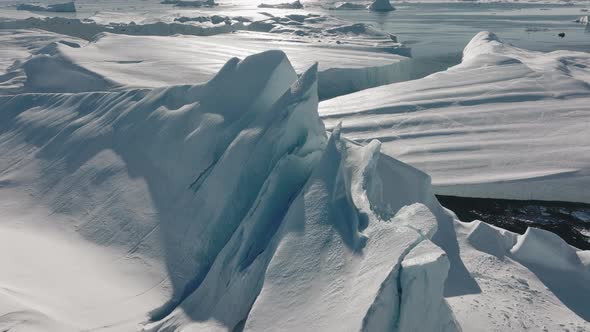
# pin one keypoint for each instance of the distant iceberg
(349, 6)
(377, 6)
(286, 5)
(381, 6)
(68, 7)
(192, 3)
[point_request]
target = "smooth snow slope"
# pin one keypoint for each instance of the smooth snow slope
(505, 123)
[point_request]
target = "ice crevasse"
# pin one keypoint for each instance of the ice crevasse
(247, 215)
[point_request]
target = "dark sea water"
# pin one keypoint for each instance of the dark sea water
(562, 218)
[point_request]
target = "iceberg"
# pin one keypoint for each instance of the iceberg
(251, 190)
(285, 5)
(115, 61)
(349, 6)
(226, 205)
(377, 6)
(489, 127)
(68, 7)
(381, 6)
(191, 3)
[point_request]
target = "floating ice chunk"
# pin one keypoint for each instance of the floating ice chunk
(285, 5)
(349, 6)
(381, 6)
(190, 3)
(583, 20)
(68, 7)
(581, 215)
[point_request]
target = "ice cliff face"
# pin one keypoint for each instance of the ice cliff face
(236, 203)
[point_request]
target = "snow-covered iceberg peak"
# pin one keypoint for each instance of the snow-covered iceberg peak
(338, 265)
(381, 6)
(232, 205)
(484, 42)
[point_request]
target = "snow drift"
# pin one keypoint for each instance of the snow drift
(505, 123)
(217, 205)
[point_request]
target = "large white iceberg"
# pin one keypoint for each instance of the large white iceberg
(227, 206)
(220, 199)
(505, 123)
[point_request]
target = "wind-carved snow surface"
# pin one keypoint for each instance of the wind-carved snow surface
(208, 207)
(113, 61)
(505, 123)
(352, 57)
(534, 281)
(226, 206)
